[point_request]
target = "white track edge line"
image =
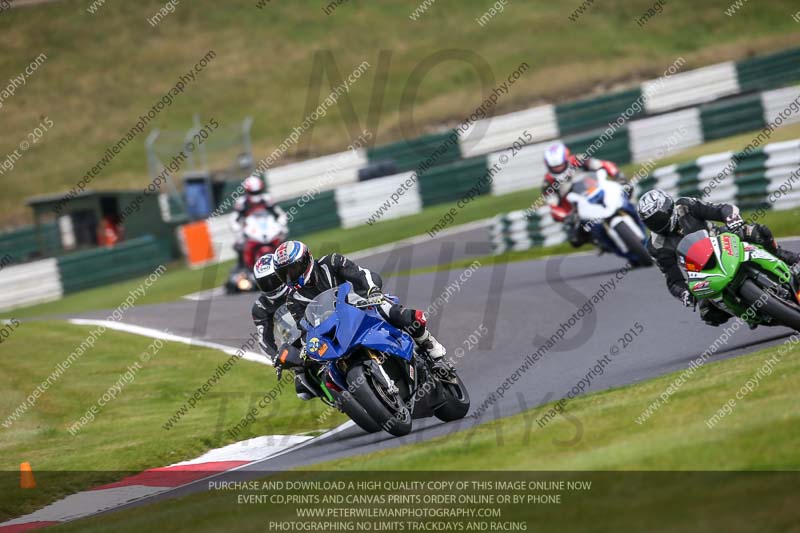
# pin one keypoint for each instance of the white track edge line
(158, 334)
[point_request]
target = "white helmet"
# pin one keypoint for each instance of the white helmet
(254, 185)
(267, 279)
(556, 157)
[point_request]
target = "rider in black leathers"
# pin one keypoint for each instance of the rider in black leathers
(307, 278)
(273, 296)
(671, 220)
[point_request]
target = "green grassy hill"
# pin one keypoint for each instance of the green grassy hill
(105, 69)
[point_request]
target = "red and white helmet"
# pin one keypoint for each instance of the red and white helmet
(254, 185)
(294, 264)
(556, 157)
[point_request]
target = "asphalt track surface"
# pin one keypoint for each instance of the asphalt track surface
(521, 304)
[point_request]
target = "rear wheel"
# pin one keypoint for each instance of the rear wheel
(634, 244)
(387, 409)
(784, 313)
(457, 405)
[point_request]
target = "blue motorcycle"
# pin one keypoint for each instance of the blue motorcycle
(371, 370)
(607, 214)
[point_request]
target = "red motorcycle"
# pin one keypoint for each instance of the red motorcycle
(263, 234)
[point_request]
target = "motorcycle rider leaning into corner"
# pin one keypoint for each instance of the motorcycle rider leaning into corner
(561, 166)
(307, 278)
(671, 220)
(254, 198)
(272, 297)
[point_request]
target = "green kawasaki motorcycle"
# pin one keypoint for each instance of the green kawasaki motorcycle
(740, 278)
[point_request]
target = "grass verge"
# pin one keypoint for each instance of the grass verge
(127, 434)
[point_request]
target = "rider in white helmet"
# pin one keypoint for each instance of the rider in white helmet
(273, 295)
(561, 165)
(255, 198)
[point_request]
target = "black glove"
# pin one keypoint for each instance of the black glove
(375, 296)
(734, 222)
(688, 299)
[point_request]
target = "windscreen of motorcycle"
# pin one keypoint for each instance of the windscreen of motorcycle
(696, 251)
(285, 328)
(321, 307)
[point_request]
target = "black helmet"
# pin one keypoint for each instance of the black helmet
(657, 209)
(294, 264)
(267, 278)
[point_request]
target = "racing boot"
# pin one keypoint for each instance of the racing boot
(435, 352)
(430, 346)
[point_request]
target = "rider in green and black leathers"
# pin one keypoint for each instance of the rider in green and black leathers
(671, 220)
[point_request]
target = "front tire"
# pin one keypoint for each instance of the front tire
(395, 420)
(350, 406)
(785, 314)
(634, 244)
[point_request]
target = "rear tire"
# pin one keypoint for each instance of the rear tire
(457, 405)
(397, 422)
(634, 245)
(785, 314)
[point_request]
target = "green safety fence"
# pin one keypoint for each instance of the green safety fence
(769, 71)
(616, 149)
(23, 244)
(583, 115)
(731, 116)
(450, 183)
(436, 149)
(309, 215)
(101, 266)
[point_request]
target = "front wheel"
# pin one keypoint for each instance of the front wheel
(783, 313)
(634, 244)
(350, 406)
(387, 409)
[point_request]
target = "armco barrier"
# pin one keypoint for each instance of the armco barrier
(358, 202)
(451, 182)
(617, 149)
(775, 102)
(322, 173)
(29, 284)
(521, 230)
(313, 213)
(648, 135)
(327, 195)
(769, 71)
(639, 140)
(408, 154)
(101, 266)
(729, 117)
(590, 113)
(745, 178)
(698, 87)
(500, 132)
(523, 170)
(762, 178)
(691, 88)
